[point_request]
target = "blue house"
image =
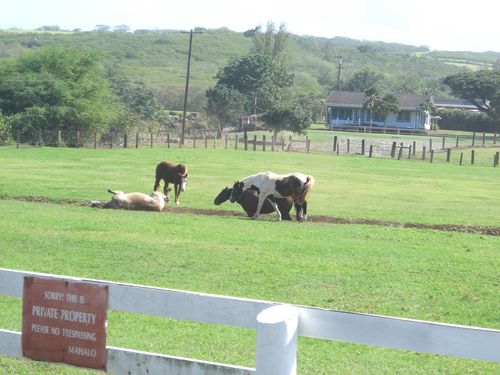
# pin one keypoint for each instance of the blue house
(343, 108)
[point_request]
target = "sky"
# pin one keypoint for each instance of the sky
(438, 24)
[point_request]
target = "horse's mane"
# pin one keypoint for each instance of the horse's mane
(182, 169)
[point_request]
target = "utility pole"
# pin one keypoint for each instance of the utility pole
(339, 63)
(191, 32)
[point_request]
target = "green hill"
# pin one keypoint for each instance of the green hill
(159, 58)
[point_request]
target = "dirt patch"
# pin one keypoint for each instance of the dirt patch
(491, 231)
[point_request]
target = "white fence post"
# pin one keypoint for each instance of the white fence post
(276, 352)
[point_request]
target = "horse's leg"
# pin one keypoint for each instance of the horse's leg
(177, 190)
(304, 210)
(165, 189)
(157, 184)
(276, 208)
(262, 199)
(298, 210)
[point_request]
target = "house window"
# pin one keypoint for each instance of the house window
(404, 116)
(341, 113)
(378, 116)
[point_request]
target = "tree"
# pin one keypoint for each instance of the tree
(58, 88)
(481, 88)
(372, 96)
(257, 76)
(225, 104)
(291, 117)
(383, 105)
(272, 42)
(387, 104)
(363, 80)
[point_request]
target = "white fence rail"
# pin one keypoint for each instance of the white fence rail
(277, 328)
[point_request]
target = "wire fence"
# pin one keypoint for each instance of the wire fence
(475, 149)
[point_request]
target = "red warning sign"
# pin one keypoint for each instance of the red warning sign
(65, 321)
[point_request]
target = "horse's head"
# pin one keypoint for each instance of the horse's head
(184, 181)
(159, 196)
(223, 196)
(237, 191)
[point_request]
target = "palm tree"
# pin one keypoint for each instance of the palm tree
(388, 104)
(372, 97)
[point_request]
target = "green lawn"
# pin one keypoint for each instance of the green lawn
(422, 274)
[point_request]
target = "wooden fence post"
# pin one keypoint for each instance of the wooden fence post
(194, 140)
(276, 342)
(393, 150)
(136, 140)
(496, 158)
(225, 141)
(448, 154)
(254, 142)
(95, 141)
(125, 140)
(456, 141)
(273, 140)
(335, 143)
(77, 138)
(461, 157)
(484, 138)
(473, 139)
(58, 138)
(431, 156)
(423, 152)
(308, 145)
(472, 157)
(206, 140)
(400, 153)
(409, 151)
(370, 152)
(168, 140)
(236, 140)
(430, 144)
(443, 143)
(348, 145)
(151, 139)
(362, 147)
(414, 148)
(263, 143)
(495, 138)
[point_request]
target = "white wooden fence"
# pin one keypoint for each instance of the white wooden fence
(277, 329)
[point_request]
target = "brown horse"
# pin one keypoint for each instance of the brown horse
(171, 173)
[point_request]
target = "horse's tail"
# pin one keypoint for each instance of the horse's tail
(306, 188)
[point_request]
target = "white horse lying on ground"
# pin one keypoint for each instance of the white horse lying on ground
(133, 201)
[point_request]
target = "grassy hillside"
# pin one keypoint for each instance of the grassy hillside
(158, 58)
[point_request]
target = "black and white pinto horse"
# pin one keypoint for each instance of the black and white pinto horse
(249, 199)
(272, 185)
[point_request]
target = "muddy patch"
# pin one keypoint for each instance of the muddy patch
(491, 231)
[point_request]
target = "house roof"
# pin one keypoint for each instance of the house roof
(356, 100)
(454, 104)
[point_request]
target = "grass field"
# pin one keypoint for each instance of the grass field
(422, 274)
